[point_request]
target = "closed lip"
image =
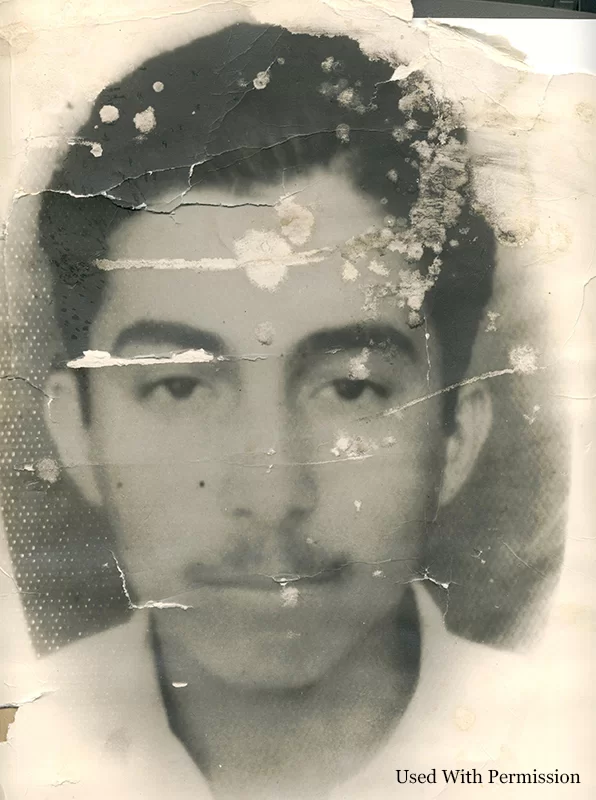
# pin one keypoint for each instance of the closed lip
(266, 582)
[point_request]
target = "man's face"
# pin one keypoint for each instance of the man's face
(277, 460)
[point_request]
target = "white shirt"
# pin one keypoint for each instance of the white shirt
(101, 731)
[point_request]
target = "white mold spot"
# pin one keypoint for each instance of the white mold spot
(264, 255)
(343, 132)
(179, 684)
(262, 80)
(290, 596)
(524, 359)
(158, 86)
(531, 418)
(47, 469)
(329, 64)
(413, 286)
(493, 316)
(296, 221)
(265, 333)
(357, 369)
(376, 267)
(353, 447)
(357, 504)
(349, 273)
(109, 114)
(145, 120)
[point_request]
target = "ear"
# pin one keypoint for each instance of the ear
(65, 422)
(473, 420)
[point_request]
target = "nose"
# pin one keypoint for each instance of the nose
(269, 489)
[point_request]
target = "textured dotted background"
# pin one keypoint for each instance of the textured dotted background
(59, 547)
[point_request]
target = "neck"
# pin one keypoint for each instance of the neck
(297, 742)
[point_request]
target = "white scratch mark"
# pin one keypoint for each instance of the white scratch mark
(149, 603)
(94, 359)
(95, 148)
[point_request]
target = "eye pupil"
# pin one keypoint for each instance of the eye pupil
(349, 389)
(180, 387)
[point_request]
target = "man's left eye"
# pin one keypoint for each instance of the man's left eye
(351, 390)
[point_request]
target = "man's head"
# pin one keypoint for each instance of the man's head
(284, 209)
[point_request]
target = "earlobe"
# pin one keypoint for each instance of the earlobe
(473, 420)
(66, 425)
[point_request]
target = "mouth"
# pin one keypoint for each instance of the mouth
(202, 576)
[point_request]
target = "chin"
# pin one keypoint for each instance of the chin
(284, 665)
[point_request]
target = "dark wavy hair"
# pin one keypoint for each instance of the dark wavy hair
(237, 108)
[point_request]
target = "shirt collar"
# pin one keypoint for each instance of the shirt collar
(103, 695)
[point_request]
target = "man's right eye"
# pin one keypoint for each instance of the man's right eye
(179, 388)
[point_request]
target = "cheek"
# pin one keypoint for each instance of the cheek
(382, 486)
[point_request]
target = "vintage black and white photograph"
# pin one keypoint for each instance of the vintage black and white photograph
(297, 403)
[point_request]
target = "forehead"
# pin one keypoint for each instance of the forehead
(283, 255)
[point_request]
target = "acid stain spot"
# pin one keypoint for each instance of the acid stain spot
(464, 718)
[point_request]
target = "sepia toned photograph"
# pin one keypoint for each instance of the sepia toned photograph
(297, 406)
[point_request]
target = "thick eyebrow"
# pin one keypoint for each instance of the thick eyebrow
(176, 335)
(353, 337)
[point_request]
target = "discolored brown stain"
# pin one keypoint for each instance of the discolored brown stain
(7, 717)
